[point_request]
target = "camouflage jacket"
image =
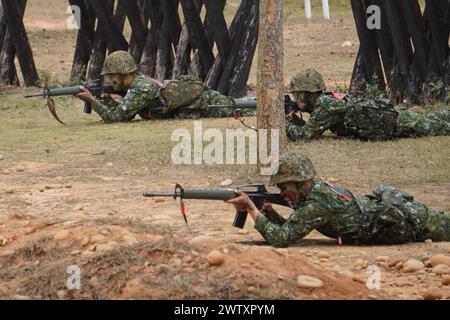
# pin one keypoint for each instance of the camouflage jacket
(368, 119)
(186, 98)
(183, 98)
(144, 93)
(336, 212)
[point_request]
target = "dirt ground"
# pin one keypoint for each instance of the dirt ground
(72, 195)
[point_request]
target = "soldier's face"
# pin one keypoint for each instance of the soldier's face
(299, 97)
(115, 81)
(120, 82)
(295, 193)
(290, 192)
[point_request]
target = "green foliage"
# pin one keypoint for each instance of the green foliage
(78, 80)
(373, 90)
(45, 78)
(341, 89)
(436, 88)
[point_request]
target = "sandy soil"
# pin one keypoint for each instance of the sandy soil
(62, 204)
(129, 247)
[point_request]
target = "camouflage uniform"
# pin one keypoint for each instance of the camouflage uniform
(368, 119)
(372, 119)
(387, 217)
(183, 98)
(143, 94)
(187, 98)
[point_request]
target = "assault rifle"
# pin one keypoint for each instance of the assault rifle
(95, 87)
(259, 196)
(251, 103)
(236, 105)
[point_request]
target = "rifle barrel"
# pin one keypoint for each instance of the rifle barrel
(153, 194)
(197, 194)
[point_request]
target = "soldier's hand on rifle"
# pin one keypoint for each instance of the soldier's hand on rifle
(86, 95)
(290, 115)
(244, 204)
(267, 208)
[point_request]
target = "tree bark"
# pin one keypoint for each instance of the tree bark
(182, 56)
(213, 78)
(369, 50)
(3, 25)
(270, 91)
(165, 56)
(85, 40)
(106, 20)
(218, 27)
(8, 72)
(243, 64)
(148, 61)
(358, 83)
(100, 46)
(21, 44)
(138, 26)
(197, 34)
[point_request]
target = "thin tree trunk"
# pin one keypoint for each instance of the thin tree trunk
(14, 14)
(85, 40)
(270, 89)
(243, 64)
(148, 61)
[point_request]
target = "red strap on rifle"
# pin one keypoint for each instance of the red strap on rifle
(179, 188)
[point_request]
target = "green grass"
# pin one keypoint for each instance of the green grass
(84, 147)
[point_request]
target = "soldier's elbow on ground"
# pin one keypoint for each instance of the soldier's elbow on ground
(279, 242)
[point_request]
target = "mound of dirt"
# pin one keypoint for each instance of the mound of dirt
(114, 260)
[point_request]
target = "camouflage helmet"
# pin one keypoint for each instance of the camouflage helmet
(309, 80)
(294, 168)
(120, 62)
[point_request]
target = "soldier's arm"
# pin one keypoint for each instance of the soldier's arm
(215, 98)
(274, 217)
(308, 217)
(136, 99)
(328, 113)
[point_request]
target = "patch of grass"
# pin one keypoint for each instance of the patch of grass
(84, 147)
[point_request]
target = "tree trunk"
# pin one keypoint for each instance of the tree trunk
(369, 50)
(148, 61)
(85, 40)
(197, 34)
(139, 34)
(182, 57)
(22, 47)
(218, 27)
(8, 72)
(3, 25)
(100, 46)
(214, 76)
(243, 64)
(270, 91)
(106, 20)
(358, 83)
(164, 55)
